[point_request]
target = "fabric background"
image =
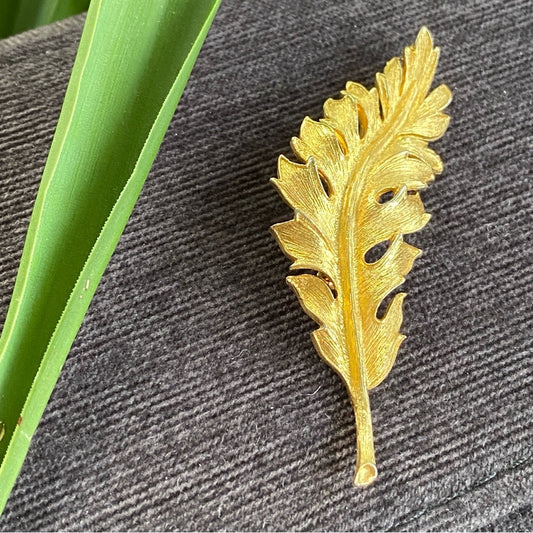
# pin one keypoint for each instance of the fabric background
(193, 398)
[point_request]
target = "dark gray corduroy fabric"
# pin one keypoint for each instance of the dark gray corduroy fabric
(193, 398)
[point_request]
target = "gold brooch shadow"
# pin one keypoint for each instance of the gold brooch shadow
(358, 189)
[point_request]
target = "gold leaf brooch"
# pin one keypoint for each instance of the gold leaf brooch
(364, 165)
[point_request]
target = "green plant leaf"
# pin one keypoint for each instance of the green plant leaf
(20, 15)
(132, 64)
(8, 13)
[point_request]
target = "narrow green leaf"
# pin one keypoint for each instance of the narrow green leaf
(8, 14)
(20, 15)
(133, 62)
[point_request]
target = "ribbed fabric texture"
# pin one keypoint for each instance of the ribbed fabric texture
(193, 397)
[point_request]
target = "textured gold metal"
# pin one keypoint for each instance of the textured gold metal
(364, 165)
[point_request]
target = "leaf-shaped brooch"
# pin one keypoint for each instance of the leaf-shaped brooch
(364, 165)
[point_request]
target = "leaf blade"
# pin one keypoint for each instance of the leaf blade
(20, 15)
(43, 333)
